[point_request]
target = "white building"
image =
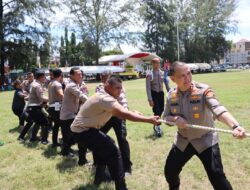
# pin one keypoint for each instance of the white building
(240, 53)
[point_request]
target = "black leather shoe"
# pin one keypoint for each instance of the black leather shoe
(21, 139)
(68, 154)
(82, 162)
(101, 175)
(44, 142)
(120, 185)
(54, 145)
(34, 139)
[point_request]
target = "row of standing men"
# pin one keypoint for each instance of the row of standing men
(64, 101)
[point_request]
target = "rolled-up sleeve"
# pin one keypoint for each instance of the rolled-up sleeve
(99, 88)
(213, 104)
(76, 91)
(122, 99)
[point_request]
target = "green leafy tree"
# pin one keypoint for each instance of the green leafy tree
(20, 19)
(207, 23)
(202, 26)
(102, 20)
(112, 52)
(160, 34)
(64, 49)
(45, 53)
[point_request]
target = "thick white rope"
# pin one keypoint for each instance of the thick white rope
(203, 128)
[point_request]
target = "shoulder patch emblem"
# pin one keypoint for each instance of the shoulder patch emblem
(210, 94)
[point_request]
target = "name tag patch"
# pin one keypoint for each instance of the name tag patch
(174, 104)
(195, 101)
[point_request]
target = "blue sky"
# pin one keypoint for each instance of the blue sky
(242, 14)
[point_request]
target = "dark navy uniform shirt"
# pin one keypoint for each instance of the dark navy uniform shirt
(18, 100)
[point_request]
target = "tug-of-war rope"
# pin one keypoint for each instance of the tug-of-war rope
(203, 128)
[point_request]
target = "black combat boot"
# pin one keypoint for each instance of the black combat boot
(101, 175)
(120, 185)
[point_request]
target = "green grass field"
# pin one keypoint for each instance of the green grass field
(34, 166)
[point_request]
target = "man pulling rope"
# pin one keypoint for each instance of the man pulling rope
(195, 103)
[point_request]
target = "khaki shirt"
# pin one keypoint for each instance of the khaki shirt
(71, 100)
(121, 99)
(53, 87)
(94, 113)
(26, 86)
(154, 82)
(198, 106)
(84, 88)
(36, 96)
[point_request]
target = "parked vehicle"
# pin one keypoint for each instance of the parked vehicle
(193, 67)
(215, 68)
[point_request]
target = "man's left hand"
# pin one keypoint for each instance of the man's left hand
(239, 133)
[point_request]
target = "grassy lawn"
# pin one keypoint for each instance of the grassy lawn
(35, 166)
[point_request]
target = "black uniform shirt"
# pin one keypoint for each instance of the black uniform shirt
(18, 101)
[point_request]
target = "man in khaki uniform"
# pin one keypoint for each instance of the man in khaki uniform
(73, 97)
(93, 115)
(55, 92)
(154, 87)
(27, 83)
(35, 104)
(119, 125)
(195, 103)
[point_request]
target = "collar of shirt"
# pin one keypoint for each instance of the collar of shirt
(191, 89)
(71, 81)
(37, 81)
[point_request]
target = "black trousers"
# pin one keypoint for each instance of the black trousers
(26, 126)
(119, 127)
(20, 115)
(210, 158)
(55, 116)
(68, 140)
(158, 99)
(37, 115)
(104, 151)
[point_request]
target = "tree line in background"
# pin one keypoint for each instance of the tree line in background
(201, 24)
(191, 30)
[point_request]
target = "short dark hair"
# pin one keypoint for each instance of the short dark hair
(34, 71)
(16, 83)
(173, 67)
(39, 74)
(113, 80)
(73, 69)
(29, 73)
(57, 73)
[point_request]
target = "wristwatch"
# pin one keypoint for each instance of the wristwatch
(235, 126)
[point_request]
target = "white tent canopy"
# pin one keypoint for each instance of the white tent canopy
(132, 58)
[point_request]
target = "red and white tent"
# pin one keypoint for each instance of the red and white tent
(132, 58)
